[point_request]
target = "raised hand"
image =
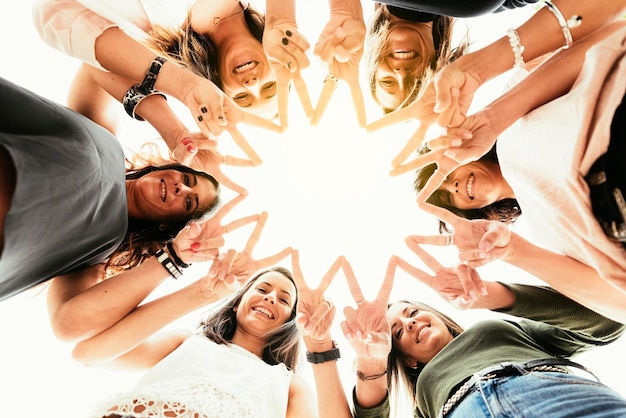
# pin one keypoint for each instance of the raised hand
(236, 266)
(315, 312)
(366, 327)
(459, 286)
(340, 47)
(286, 50)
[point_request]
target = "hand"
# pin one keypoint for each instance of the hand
(286, 50)
(240, 266)
(459, 286)
(366, 327)
(315, 313)
(340, 47)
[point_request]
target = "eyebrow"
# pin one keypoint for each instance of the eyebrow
(281, 290)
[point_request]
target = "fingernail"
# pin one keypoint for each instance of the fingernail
(467, 135)
(483, 254)
(200, 118)
(450, 154)
(473, 295)
(186, 141)
(456, 142)
(195, 245)
(190, 148)
(349, 337)
(203, 109)
(483, 291)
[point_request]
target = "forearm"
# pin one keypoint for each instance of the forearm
(549, 81)
(141, 323)
(371, 392)
(280, 11)
(350, 7)
(570, 277)
(497, 297)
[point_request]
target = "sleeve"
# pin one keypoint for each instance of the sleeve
(382, 410)
(70, 27)
(571, 326)
(514, 4)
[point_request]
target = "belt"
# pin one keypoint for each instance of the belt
(509, 369)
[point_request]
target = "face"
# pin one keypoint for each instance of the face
(408, 51)
(267, 304)
(419, 334)
(248, 78)
(475, 185)
(169, 194)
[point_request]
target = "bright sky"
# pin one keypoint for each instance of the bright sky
(327, 193)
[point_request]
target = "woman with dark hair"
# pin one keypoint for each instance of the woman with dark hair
(498, 367)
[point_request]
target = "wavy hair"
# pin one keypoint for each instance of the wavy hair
(282, 345)
(505, 210)
(196, 51)
(376, 45)
(399, 371)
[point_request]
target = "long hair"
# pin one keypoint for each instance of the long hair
(505, 210)
(399, 371)
(145, 237)
(376, 46)
(194, 50)
(282, 345)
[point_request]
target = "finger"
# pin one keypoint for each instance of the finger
(415, 240)
(326, 94)
(347, 330)
(256, 233)
(441, 213)
(200, 142)
(255, 120)
(474, 258)
(392, 118)
(273, 259)
(419, 274)
(330, 274)
(434, 182)
(497, 234)
(469, 286)
(303, 94)
(238, 223)
(359, 104)
(227, 182)
(298, 277)
(226, 263)
(245, 146)
(430, 261)
(424, 160)
(410, 147)
(238, 162)
(453, 138)
(321, 316)
(229, 206)
(282, 93)
(353, 284)
(387, 285)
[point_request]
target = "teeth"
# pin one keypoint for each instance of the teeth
(404, 55)
(163, 190)
(245, 67)
(419, 335)
(470, 183)
(263, 311)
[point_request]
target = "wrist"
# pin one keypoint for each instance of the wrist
(323, 356)
(316, 345)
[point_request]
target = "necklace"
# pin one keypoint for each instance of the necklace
(218, 20)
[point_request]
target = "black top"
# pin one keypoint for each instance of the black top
(452, 8)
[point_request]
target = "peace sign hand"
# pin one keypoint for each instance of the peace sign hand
(286, 50)
(315, 313)
(366, 327)
(340, 47)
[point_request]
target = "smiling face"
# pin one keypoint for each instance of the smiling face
(419, 334)
(267, 305)
(169, 195)
(475, 185)
(406, 55)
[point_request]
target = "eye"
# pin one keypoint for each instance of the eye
(269, 86)
(188, 203)
(413, 313)
(285, 301)
(398, 333)
(186, 180)
(261, 290)
(387, 82)
(241, 97)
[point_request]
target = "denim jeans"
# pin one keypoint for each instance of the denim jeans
(541, 395)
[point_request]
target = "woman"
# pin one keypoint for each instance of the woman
(495, 367)
(251, 337)
(70, 212)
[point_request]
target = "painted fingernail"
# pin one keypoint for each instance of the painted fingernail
(203, 109)
(288, 33)
(200, 118)
(190, 148)
(186, 141)
(285, 41)
(195, 246)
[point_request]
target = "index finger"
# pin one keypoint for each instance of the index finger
(298, 277)
(387, 284)
(359, 104)
(330, 274)
(392, 118)
(440, 213)
(258, 121)
(282, 93)
(303, 94)
(410, 147)
(256, 233)
(245, 146)
(273, 259)
(326, 94)
(353, 284)
(431, 262)
(227, 207)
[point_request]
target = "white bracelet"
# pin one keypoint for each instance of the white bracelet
(573, 22)
(517, 47)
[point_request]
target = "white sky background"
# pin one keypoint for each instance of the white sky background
(327, 192)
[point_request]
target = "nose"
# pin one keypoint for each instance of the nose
(180, 188)
(270, 297)
(401, 71)
(251, 82)
(452, 186)
(409, 323)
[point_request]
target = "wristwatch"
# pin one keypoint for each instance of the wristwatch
(323, 357)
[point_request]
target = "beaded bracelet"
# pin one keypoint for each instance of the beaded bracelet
(133, 97)
(517, 47)
(169, 265)
(573, 22)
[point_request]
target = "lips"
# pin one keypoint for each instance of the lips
(243, 68)
(470, 184)
(264, 311)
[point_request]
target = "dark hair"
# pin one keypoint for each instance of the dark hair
(376, 40)
(399, 372)
(283, 344)
(194, 50)
(505, 210)
(144, 237)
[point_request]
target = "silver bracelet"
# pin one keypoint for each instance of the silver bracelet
(133, 97)
(566, 24)
(517, 47)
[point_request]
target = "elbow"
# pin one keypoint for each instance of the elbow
(67, 327)
(82, 354)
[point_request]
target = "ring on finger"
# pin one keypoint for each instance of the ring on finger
(441, 174)
(225, 229)
(449, 240)
(360, 302)
(329, 303)
(289, 64)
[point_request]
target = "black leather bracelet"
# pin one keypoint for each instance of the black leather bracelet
(133, 97)
(169, 265)
(147, 85)
(323, 357)
(177, 260)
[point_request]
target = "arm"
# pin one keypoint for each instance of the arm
(300, 403)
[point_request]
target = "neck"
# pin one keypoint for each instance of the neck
(211, 17)
(130, 202)
(252, 343)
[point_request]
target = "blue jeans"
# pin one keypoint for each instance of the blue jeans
(541, 395)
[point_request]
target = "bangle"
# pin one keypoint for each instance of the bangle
(517, 47)
(147, 84)
(363, 376)
(317, 358)
(177, 260)
(166, 262)
(133, 97)
(573, 22)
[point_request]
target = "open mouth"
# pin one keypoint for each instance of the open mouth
(470, 184)
(163, 190)
(248, 66)
(421, 332)
(264, 311)
(403, 55)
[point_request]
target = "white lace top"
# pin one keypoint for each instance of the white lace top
(202, 379)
